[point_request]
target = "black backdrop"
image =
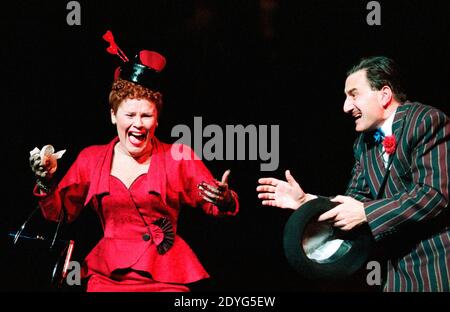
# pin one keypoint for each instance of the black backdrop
(230, 62)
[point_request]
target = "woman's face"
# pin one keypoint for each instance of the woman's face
(136, 121)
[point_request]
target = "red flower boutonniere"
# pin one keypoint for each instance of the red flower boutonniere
(389, 144)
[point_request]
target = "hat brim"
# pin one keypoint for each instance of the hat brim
(141, 75)
(349, 249)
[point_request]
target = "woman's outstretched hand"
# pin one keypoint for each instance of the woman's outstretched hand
(43, 163)
(39, 169)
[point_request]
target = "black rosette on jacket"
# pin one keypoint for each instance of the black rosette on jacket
(163, 234)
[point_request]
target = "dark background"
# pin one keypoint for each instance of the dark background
(230, 62)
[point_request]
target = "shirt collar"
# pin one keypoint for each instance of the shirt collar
(386, 127)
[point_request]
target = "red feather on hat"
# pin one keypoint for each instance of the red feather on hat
(113, 47)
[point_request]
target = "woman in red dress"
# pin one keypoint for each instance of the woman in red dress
(136, 186)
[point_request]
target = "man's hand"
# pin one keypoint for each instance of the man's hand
(282, 194)
(346, 216)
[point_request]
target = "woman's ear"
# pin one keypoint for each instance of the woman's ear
(113, 117)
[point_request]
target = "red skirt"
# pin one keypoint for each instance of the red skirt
(130, 281)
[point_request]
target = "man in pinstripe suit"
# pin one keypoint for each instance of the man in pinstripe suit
(401, 190)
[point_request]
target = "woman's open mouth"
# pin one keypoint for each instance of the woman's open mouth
(137, 138)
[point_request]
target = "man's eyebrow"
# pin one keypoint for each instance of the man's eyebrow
(352, 90)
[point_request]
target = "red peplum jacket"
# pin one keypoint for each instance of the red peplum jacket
(139, 223)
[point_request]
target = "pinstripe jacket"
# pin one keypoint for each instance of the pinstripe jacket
(406, 203)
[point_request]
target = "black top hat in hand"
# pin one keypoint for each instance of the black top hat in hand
(319, 251)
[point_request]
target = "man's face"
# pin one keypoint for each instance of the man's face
(363, 103)
(136, 121)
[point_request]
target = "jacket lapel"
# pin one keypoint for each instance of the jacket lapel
(156, 177)
(374, 164)
(376, 172)
(99, 183)
(397, 129)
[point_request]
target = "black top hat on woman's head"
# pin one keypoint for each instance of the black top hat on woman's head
(144, 69)
(319, 251)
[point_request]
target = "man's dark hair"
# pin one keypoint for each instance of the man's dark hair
(381, 71)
